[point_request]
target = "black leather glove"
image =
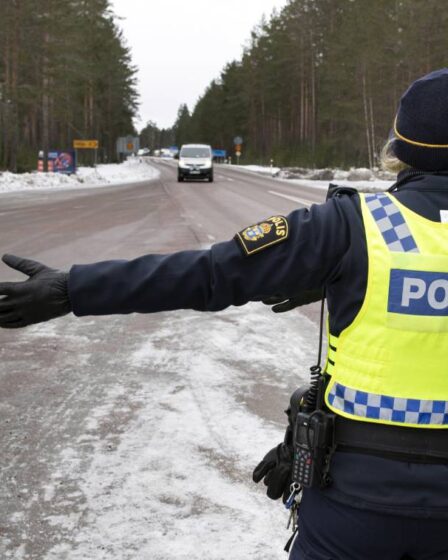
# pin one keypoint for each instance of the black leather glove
(280, 304)
(42, 297)
(276, 468)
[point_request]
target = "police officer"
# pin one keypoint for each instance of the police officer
(383, 260)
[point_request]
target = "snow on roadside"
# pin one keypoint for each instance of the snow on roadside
(362, 179)
(362, 186)
(130, 171)
(139, 169)
(264, 170)
(178, 483)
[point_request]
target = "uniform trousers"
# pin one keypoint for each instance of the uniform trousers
(329, 530)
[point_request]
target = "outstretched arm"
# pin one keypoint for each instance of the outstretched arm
(205, 280)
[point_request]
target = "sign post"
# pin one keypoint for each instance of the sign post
(62, 162)
(126, 146)
(238, 141)
(40, 161)
(220, 154)
(86, 145)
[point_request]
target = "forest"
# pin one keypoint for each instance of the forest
(65, 74)
(317, 84)
(320, 81)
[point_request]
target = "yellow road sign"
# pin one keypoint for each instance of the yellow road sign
(86, 144)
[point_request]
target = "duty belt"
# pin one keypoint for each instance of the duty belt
(413, 445)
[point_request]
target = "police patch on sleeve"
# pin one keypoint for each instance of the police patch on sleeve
(264, 234)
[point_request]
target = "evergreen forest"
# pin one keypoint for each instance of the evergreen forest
(319, 82)
(65, 74)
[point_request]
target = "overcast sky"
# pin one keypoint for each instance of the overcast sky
(179, 46)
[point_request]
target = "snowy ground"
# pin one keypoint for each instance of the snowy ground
(362, 186)
(265, 170)
(362, 179)
(140, 169)
(160, 468)
(132, 170)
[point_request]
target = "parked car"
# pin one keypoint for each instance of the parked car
(195, 162)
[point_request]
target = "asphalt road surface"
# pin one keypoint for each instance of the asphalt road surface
(91, 409)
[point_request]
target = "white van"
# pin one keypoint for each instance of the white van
(195, 162)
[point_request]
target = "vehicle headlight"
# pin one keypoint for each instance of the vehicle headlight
(182, 164)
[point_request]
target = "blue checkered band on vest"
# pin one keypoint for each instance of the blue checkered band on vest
(384, 407)
(391, 223)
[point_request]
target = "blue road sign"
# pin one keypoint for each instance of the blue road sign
(220, 153)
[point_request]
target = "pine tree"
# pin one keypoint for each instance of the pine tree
(321, 80)
(58, 82)
(182, 128)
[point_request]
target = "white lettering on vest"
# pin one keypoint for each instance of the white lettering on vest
(410, 293)
(441, 285)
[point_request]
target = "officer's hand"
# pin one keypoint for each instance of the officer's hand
(276, 468)
(281, 304)
(42, 297)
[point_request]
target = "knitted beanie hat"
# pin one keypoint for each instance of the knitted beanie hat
(421, 125)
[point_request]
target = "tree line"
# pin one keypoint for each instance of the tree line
(320, 81)
(153, 137)
(65, 74)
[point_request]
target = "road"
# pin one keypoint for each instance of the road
(134, 437)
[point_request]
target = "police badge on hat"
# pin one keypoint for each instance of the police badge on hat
(264, 234)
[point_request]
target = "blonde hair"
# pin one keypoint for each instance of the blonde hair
(389, 161)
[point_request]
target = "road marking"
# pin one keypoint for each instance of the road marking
(211, 237)
(229, 179)
(293, 198)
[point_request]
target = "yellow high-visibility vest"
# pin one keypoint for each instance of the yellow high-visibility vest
(390, 365)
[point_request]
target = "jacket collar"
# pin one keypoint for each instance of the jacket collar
(408, 175)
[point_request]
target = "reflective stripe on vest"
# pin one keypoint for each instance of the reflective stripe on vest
(391, 223)
(389, 366)
(385, 407)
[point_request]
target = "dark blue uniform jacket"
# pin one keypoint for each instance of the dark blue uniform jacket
(326, 247)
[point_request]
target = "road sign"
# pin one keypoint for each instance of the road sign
(219, 153)
(62, 162)
(238, 148)
(237, 140)
(85, 144)
(127, 145)
(237, 154)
